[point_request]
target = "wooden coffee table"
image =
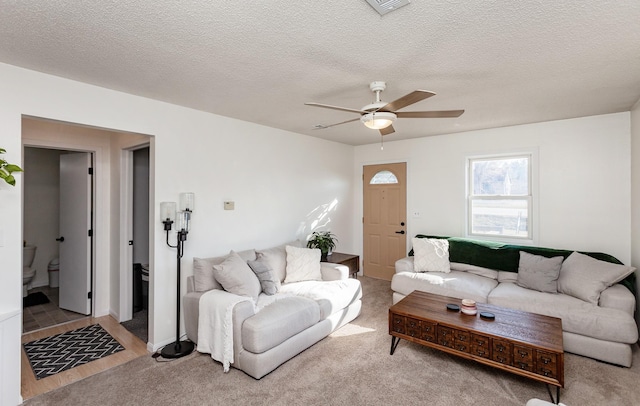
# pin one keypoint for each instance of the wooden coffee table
(519, 342)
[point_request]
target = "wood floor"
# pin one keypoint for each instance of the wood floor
(134, 347)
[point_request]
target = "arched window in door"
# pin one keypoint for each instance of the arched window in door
(383, 178)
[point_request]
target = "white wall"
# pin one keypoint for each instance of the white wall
(272, 175)
(583, 180)
(635, 197)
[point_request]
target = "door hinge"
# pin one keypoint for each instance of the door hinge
(362, 220)
(89, 295)
(90, 171)
(90, 233)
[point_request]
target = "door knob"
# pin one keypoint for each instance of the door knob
(400, 232)
(61, 239)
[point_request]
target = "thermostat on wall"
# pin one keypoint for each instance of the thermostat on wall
(229, 205)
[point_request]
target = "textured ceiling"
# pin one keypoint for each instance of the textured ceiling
(504, 62)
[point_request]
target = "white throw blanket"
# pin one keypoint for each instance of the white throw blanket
(215, 325)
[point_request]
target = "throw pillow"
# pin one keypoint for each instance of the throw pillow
(265, 276)
(203, 277)
(303, 264)
(585, 277)
(276, 258)
(538, 272)
(431, 255)
(236, 277)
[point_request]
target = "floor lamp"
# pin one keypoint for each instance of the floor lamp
(183, 222)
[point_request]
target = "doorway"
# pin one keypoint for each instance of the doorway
(57, 225)
(385, 213)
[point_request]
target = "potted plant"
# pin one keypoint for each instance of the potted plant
(323, 240)
(6, 170)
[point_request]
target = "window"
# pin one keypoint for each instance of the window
(383, 178)
(499, 196)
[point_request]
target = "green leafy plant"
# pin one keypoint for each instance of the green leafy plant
(323, 240)
(6, 170)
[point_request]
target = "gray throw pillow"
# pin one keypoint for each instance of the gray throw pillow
(265, 276)
(585, 277)
(539, 273)
(203, 277)
(236, 277)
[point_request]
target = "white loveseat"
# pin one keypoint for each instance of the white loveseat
(597, 324)
(269, 330)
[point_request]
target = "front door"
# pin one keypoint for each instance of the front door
(75, 227)
(385, 213)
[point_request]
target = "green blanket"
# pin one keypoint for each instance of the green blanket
(506, 257)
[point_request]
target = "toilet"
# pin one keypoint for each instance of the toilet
(28, 254)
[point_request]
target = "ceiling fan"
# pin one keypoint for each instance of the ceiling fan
(380, 115)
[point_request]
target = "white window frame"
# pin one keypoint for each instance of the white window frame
(531, 197)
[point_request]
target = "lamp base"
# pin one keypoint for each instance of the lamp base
(177, 349)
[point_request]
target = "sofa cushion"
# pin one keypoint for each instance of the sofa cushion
(538, 272)
(236, 277)
(277, 322)
(203, 278)
(478, 270)
(585, 277)
(461, 285)
(577, 316)
(303, 264)
(265, 275)
(431, 255)
(331, 296)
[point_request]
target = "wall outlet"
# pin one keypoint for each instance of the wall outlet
(416, 214)
(229, 205)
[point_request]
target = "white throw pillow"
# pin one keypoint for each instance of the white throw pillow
(303, 264)
(236, 277)
(431, 255)
(585, 277)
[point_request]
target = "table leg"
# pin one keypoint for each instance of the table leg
(557, 398)
(394, 343)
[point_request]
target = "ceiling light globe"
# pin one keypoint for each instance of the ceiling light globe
(378, 120)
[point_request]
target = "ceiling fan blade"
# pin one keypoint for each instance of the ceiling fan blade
(387, 130)
(322, 127)
(430, 114)
(407, 100)
(327, 106)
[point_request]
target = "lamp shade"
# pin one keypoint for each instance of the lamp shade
(187, 201)
(183, 221)
(378, 120)
(167, 211)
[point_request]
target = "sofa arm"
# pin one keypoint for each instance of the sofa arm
(404, 265)
(191, 305)
(618, 297)
(333, 272)
(241, 312)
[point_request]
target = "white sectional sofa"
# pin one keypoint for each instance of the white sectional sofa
(597, 311)
(267, 330)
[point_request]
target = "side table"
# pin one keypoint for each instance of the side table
(349, 260)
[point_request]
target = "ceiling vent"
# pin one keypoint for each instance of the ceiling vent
(385, 6)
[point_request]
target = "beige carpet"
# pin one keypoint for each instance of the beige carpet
(350, 367)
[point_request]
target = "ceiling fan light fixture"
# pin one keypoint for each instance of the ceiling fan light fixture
(378, 120)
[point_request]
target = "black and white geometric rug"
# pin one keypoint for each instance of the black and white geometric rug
(51, 355)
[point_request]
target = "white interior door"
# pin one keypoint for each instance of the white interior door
(75, 224)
